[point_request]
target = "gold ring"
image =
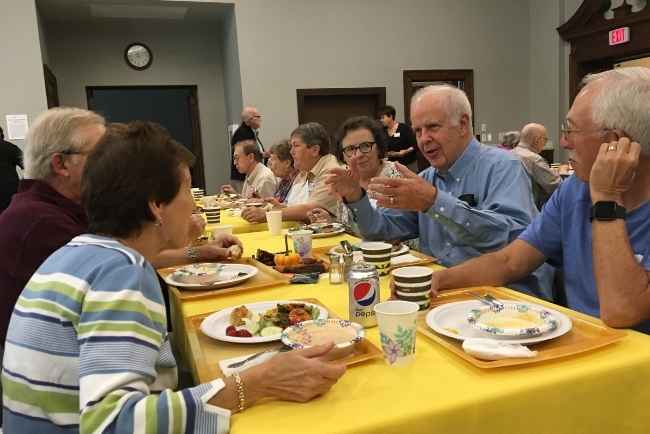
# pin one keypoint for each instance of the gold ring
(611, 148)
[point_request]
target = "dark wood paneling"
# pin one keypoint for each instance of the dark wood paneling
(588, 33)
(332, 106)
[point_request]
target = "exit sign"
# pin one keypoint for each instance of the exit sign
(619, 36)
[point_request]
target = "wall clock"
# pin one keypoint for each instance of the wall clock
(138, 56)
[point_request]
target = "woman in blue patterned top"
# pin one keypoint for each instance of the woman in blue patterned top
(91, 322)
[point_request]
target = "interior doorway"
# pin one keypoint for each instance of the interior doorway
(332, 106)
(417, 79)
(174, 107)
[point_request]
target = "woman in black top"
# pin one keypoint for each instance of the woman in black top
(401, 145)
(10, 157)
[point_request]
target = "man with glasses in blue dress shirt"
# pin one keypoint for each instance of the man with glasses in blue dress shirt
(473, 200)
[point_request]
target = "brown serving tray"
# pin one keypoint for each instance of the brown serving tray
(266, 277)
(207, 352)
(587, 332)
(323, 254)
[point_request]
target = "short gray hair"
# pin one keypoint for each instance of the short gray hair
(624, 102)
(312, 134)
(456, 102)
(56, 130)
(510, 139)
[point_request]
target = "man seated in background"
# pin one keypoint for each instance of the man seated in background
(259, 181)
(46, 212)
(474, 199)
(310, 149)
(596, 226)
(532, 140)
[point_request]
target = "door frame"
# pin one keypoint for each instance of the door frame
(464, 75)
(197, 148)
(379, 92)
(588, 33)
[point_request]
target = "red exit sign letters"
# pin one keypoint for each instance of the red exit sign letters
(619, 36)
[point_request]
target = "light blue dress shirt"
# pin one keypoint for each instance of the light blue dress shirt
(453, 230)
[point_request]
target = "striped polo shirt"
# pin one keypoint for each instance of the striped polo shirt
(87, 350)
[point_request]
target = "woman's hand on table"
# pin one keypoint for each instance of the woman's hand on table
(299, 375)
(253, 214)
(220, 248)
(319, 215)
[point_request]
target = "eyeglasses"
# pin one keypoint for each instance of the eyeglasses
(364, 147)
(74, 152)
(566, 130)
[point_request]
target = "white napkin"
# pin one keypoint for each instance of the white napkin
(492, 349)
(223, 364)
(227, 275)
(403, 259)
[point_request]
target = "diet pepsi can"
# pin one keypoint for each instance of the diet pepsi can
(363, 283)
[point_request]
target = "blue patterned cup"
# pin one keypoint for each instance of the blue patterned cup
(396, 320)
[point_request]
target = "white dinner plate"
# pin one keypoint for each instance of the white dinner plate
(399, 252)
(451, 320)
(227, 268)
(215, 325)
(338, 229)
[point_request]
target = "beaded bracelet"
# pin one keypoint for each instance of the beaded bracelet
(240, 392)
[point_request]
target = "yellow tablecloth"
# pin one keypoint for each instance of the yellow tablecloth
(604, 391)
(241, 226)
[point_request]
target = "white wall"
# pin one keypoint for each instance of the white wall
(21, 74)
(545, 55)
(91, 54)
(288, 44)
(231, 69)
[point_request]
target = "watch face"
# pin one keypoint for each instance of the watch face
(138, 56)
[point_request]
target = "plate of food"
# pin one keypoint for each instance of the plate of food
(451, 319)
(209, 275)
(322, 230)
(513, 320)
(398, 249)
(259, 322)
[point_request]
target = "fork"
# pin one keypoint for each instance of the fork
(241, 363)
(495, 305)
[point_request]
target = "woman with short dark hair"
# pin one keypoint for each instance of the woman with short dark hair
(92, 323)
(360, 139)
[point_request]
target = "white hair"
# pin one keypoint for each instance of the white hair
(623, 102)
(456, 102)
(56, 130)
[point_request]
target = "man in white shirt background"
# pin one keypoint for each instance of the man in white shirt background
(260, 181)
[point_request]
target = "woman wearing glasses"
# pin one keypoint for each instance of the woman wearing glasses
(364, 139)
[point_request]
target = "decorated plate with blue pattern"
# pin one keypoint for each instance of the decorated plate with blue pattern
(321, 331)
(514, 320)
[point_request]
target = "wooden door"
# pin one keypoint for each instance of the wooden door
(331, 107)
(417, 79)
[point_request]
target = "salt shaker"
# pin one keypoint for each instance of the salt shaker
(336, 268)
(347, 264)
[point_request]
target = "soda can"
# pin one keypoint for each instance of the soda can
(363, 283)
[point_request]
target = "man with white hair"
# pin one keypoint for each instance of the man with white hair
(596, 226)
(46, 213)
(532, 140)
(251, 121)
(474, 199)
